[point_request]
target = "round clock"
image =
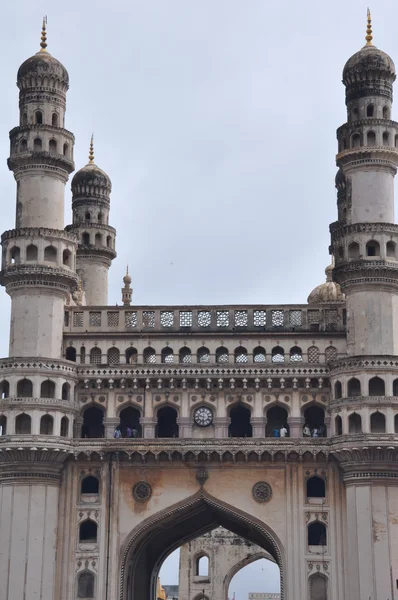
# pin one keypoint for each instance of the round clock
(203, 416)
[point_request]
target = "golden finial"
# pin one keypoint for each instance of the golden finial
(369, 36)
(43, 43)
(91, 153)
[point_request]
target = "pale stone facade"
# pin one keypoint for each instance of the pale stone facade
(201, 390)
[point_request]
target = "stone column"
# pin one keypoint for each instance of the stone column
(221, 427)
(77, 427)
(296, 426)
(110, 424)
(184, 427)
(148, 425)
(258, 426)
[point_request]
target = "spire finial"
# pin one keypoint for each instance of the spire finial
(91, 152)
(369, 36)
(43, 43)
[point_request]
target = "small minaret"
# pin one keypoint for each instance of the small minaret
(91, 188)
(127, 292)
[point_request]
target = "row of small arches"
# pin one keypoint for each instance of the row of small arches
(377, 423)
(38, 118)
(376, 387)
(372, 248)
(370, 112)
(185, 355)
(25, 389)
(98, 240)
(356, 140)
(32, 253)
(22, 146)
(23, 425)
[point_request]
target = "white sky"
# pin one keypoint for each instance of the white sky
(216, 123)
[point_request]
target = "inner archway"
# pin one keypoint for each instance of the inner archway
(156, 537)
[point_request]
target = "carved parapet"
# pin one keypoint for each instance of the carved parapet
(368, 363)
(366, 459)
(40, 159)
(29, 466)
(31, 232)
(39, 365)
(381, 156)
(356, 402)
(366, 271)
(55, 278)
(339, 230)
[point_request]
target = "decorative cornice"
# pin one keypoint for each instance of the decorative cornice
(200, 371)
(366, 271)
(40, 159)
(41, 127)
(45, 403)
(19, 275)
(369, 122)
(56, 234)
(339, 230)
(346, 364)
(49, 366)
(359, 401)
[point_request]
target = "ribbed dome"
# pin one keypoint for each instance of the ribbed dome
(91, 175)
(368, 59)
(42, 64)
(326, 292)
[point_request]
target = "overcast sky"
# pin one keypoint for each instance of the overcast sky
(215, 120)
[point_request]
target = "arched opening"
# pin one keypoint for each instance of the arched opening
(64, 427)
(313, 354)
(89, 485)
(373, 248)
(46, 425)
(167, 355)
(185, 355)
(396, 423)
(109, 241)
(240, 355)
(386, 112)
(318, 585)
(130, 422)
(24, 388)
(4, 389)
(338, 390)
(276, 420)
(70, 353)
(24, 119)
(259, 355)
(82, 355)
(316, 487)
(222, 355)
(317, 534)
(377, 422)
(296, 354)
(47, 389)
(356, 140)
(354, 387)
(167, 426)
(353, 250)
(31, 252)
(355, 114)
(50, 254)
(396, 141)
(66, 150)
(23, 424)
(95, 356)
(354, 423)
(65, 391)
(113, 356)
(85, 585)
(3, 425)
(343, 144)
(314, 418)
(100, 217)
(37, 144)
(88, 531)
(87, 216)
(377, 387)
(386, 138)
(15, 255)
(131, 356)
(39, 117)
(390, 249)
(240, 425)
(155, 538)
(52, 146)
(202, 566)
(67, 258)
(93, 423)
(203, 355)
(149, 355)
(395, 387)
(23, 146)
(371, 138)
(278, 355)
(98, 239)
(86, 239)
(338, 425)
(55, 120)
(370, 110)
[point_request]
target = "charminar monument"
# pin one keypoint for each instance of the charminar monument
(128, 431)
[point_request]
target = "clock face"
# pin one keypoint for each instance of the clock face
(203, 416)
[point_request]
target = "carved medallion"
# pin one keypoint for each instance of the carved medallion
(142, 491)
(262, 491)
(202, 475)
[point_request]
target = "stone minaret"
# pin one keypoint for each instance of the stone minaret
(38, 271)
(91, 188)
(365, 246)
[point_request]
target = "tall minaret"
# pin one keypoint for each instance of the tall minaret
(38, 271)
(38, 260)
(365, 246)
(91, 188)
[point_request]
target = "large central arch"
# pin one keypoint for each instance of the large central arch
(150, 542)
(248, 560)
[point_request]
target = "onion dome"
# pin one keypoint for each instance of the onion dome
(327, 292)
(127, 277)
(91, 180)
(368, 69)
(42, 65)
